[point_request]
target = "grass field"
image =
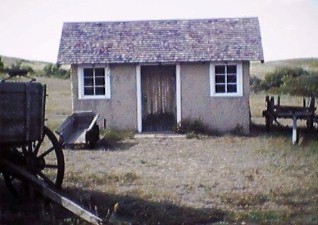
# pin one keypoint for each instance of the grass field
(256, 179)
(261, 69)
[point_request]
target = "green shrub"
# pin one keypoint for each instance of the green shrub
(286, 80)
(55, 70)
(191, 126)
(111, 137)
(1, 65)
(256, 84)
(277, 78)
(303, 85)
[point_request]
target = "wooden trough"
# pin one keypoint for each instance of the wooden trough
(79, 129)
(277, 111)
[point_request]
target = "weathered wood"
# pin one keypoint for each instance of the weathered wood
(284, 111)
(294, 131)
(305, 112)
(22, 111)
(268, 113)
(76, 129)
(43, 188)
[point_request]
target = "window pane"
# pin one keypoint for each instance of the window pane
(220, 89)
(100, 81)
(219, 69)
(88, 91)
(99, 91)
(231, 69)
(231, 79)
(220, 79)
(94, 82)
(88, 72)
(99, 72)
(231, 88)
(88, 81)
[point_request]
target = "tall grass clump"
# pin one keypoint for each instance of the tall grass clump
(111, 137)
(193, 128)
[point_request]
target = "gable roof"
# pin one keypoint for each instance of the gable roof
(161, 41)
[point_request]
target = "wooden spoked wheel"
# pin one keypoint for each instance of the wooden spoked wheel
(43, 158)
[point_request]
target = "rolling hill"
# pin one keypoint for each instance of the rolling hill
(259, 69)
(9, 61)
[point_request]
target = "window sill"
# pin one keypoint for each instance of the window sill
(227, 95)
(93, 97)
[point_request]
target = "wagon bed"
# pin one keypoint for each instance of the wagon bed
(79, 129)
(22, 111)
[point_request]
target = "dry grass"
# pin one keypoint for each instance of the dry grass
(259, 179)
(59, 102)
(247, 178)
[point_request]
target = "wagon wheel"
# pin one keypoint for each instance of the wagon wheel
(43, 158)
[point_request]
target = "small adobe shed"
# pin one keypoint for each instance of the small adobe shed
(149, 75)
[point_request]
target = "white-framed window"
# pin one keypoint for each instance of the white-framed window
(94, 82)
(226, 79)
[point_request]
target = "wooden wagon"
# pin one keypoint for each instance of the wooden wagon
(30, 154)
(276, 111)
(24, 139)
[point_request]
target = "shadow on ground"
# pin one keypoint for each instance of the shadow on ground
(129, 210)
(284, 131)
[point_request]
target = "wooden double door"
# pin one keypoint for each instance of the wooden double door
(158, 86)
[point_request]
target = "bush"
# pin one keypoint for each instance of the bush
(55, 70)
(303, 85)
(19, 65)
(277, 78)
(1, 65)
(111, 137)
(191, 126)
(256, 84)
(285, 80)
(1, 68)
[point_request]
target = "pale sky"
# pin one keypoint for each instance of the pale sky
(31, 29)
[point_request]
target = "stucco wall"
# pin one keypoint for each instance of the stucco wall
(219, 113)
(120, 111)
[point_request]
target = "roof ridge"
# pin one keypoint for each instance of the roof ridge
(163, 20)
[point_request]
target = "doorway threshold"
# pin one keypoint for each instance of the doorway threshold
(159, 135)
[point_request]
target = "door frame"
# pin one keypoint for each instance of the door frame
(139, 97)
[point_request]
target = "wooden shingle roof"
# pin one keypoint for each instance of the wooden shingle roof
(161, 41)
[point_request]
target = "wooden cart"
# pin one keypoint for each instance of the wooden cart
(24, 139)
(30, 154)
(277, 111)
(79, 129)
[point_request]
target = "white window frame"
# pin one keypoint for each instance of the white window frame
(239, 79)
(80, 73)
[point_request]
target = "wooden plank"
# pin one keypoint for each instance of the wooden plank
(74, 129)
(22, 114)
(48, 192)
(294, 131)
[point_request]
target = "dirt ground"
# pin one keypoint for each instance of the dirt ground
(260, 179)
(237, 175)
